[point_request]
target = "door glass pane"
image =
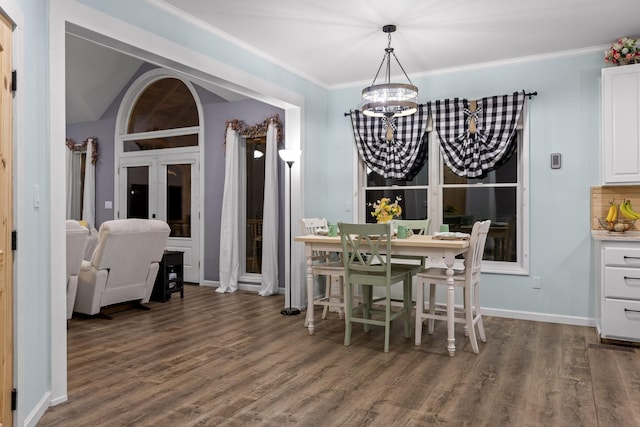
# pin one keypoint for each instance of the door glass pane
(179, 199)
(255, 201)
(138, 192)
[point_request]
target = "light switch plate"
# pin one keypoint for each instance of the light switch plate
(108, 204)
(556, 160)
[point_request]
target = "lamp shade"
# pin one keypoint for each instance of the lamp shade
(289, 155)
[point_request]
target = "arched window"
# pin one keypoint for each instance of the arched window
(165, 105)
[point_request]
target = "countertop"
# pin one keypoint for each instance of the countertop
(627, 236)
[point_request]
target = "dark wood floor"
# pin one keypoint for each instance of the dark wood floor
(233, 360)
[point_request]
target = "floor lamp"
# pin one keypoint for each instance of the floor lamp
(289, 156)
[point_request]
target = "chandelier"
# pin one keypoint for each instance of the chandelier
(389, 99)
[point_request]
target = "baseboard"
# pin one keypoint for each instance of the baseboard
(41, 407)
(540, 317)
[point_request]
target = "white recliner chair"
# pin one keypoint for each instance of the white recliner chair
(77, 236)
(124, 265)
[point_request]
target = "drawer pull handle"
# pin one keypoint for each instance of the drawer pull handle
(628, 310)
(631, 278)
(631, 257)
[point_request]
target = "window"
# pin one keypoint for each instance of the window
(437, 193)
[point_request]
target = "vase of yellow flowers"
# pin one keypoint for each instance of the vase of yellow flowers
(384, 211)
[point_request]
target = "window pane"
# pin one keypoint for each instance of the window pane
(161, 143)
(463, 206)
(505, 174)
(165, 104)
(413, 202)
(376, 180)
(179, 200)
(138, 192)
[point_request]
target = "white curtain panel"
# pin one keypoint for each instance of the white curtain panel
(73, 185)
(89, 195)
(230, 217)
(269, 283)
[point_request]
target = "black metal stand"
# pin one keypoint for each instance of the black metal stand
(290, 311)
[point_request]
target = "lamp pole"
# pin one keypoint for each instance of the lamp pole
(289, 156)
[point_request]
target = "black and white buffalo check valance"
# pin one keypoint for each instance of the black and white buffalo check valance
(393, 148)
(474, 155)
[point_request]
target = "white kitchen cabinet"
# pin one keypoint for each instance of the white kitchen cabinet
(621, 124)
(618, 289)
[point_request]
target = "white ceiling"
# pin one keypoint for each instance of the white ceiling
(340, 42)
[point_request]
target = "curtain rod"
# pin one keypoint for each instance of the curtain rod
(527, 94)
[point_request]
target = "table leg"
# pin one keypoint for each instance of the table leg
(449, 259)
(309, 318)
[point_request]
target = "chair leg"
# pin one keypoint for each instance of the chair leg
(407, 305)
(341, 296)
(327, 295)
(347, 313)
(464, 301)
(432, 307)
(419, 311)
(468, 316)
(387, 320)
(367, 297)
(478, 311)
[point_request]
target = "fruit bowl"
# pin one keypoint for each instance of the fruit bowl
(618, 226)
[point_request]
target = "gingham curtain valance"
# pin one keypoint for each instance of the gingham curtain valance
(474, 155)
(397, 153)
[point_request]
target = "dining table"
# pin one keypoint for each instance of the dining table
(434, 247)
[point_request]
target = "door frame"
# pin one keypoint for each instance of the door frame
(7, 380)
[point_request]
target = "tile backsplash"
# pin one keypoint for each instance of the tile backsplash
(602, 195)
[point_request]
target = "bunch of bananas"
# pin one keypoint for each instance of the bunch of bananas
(627, 211)
(612, 215)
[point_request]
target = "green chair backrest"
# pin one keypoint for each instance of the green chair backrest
(418, 226)
(366, 248)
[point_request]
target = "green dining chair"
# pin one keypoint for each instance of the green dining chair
(367, 262)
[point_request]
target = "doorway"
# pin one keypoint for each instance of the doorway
(165, 187)
(72, 18)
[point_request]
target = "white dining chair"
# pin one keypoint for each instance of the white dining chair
(468, 279)
(322, 265)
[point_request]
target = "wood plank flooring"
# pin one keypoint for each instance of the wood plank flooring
(232, 360)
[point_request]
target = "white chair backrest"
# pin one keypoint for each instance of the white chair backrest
(127, 247)
(77, 236)
(311, 226)
(473, 261)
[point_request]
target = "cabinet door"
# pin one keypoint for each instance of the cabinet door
(621, 124)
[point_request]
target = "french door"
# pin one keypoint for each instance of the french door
(165, 187)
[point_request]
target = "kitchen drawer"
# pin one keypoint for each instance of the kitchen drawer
(622, 282)
(624, 257)
(621, 319)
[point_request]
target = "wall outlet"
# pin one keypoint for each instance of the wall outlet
(108, 204)
(536, 282)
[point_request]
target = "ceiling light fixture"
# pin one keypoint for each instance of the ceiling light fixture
(389, 99)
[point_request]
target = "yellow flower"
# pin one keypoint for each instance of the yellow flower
(384, 210)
